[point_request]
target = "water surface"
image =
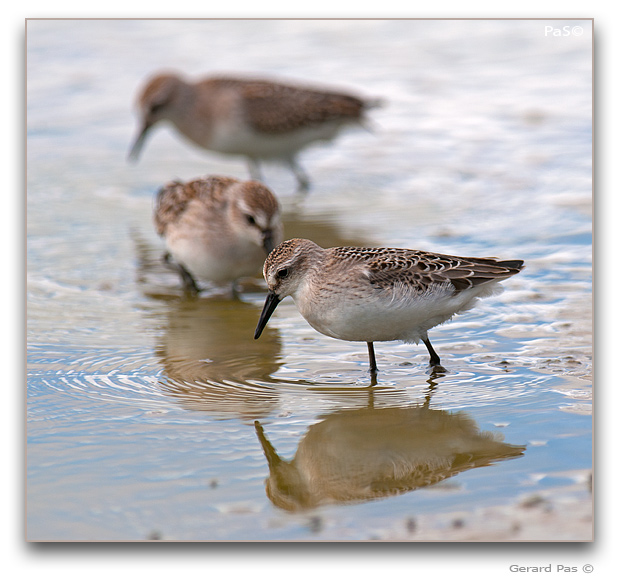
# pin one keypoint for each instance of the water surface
(155, 415)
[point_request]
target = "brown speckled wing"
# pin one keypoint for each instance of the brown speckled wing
(277, 108)
(386, 267)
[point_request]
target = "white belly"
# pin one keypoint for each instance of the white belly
(378, 316)
(218, 265)
(234, 137)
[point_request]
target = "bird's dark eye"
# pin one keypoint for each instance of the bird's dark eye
(156, 107)
(250, 219)
(282, 273)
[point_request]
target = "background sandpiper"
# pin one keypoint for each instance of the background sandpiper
(216, 228)
(258, 119)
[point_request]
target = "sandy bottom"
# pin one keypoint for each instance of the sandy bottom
(558, 516)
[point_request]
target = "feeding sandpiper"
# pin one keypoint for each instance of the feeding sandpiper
(378, 294)
(217, 228)
(255, 118)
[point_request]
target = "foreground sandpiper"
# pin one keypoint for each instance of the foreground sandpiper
(255, 118)
(216, 228)
(378, 294)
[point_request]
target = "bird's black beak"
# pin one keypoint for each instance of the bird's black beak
(271, 302)
(134, 152)
(268, 244)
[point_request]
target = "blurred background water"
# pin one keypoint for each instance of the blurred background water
(151, 415)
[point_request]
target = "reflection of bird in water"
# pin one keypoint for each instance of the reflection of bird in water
(361, 455)
(378, 294)
(218, 229)
(210, 361)
(257, 119)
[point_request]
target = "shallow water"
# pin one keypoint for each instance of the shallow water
(149, 412)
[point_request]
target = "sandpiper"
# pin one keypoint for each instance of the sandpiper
(217, 228)
(378, 294)
(255, 118)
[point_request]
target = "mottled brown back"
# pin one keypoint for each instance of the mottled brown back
(277, 108)
(389, 266)
(173, 198)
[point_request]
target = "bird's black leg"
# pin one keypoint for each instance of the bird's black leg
(434, 362)
(303, 181)
(254, 169)
(373, 360)
(189, 284)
